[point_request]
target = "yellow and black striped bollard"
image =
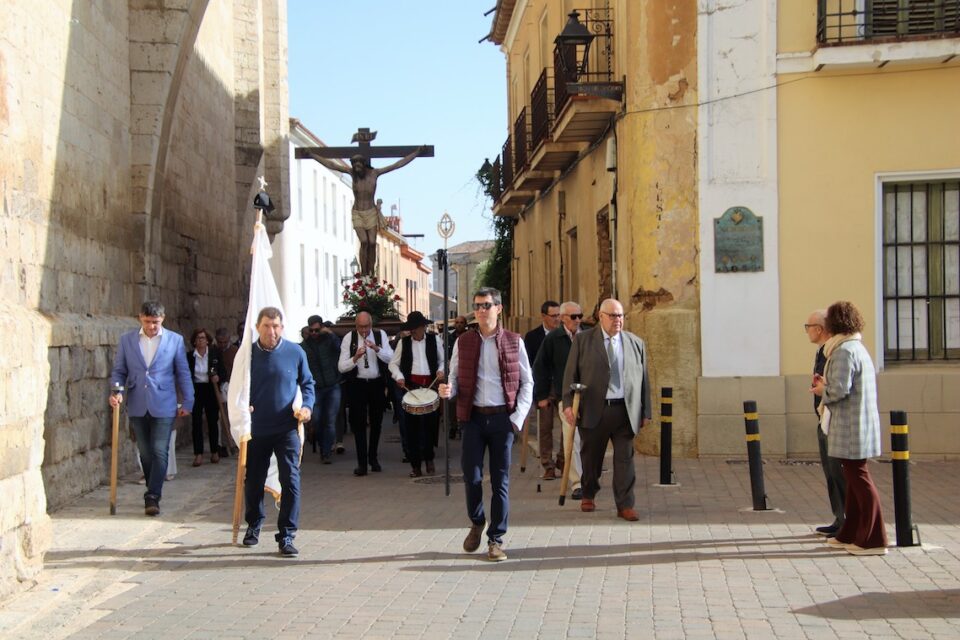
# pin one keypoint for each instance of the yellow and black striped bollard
(751, 421)
(900, 453)
(666, 435)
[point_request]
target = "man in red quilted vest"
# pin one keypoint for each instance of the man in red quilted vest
(491, 379)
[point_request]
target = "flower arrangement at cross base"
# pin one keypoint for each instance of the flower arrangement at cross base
(368, 293)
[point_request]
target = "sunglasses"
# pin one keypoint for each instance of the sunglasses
(575, 316)
(483, 305)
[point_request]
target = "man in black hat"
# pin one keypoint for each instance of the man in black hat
(417, 363)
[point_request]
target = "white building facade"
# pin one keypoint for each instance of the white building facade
(313, 253)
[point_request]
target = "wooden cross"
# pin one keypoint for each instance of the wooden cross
(363, 137)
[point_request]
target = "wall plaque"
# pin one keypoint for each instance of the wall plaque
(738, 241)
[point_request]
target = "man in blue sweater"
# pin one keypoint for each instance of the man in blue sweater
(277, 368)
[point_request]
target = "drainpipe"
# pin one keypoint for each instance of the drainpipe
(612, 167)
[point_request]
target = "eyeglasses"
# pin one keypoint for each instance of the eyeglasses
(806, 327)
(612, 315)
(575, 316)
(552, 315)
(486, 306)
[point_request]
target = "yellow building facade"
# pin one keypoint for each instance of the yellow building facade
(831, 136)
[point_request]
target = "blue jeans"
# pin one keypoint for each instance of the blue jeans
(325, 411)
(482, 432)
(153, 442)
(286, 446)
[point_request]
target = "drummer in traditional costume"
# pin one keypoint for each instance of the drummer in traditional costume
(417, 365)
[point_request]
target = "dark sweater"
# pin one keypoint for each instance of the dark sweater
(322, 355)
(549, 365)
(274, 377)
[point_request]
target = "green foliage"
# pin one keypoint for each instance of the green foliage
(495, 271)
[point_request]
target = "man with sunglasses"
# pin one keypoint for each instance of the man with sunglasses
(490, 376)
(548, 371)
(323, 353)
(615, 405)
(364, 356)
(549, 320)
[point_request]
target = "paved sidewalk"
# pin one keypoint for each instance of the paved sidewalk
(381, 557)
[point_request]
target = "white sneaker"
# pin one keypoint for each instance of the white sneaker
(171, 476)
(860, 551)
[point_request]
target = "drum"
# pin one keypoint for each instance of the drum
(420, 401)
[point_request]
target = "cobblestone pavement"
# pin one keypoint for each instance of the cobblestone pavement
(381, 557)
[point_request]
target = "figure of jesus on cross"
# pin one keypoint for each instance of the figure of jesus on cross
(367, 219)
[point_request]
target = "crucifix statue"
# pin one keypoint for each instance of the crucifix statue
(367, 219)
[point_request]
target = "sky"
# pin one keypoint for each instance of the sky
(415, 73)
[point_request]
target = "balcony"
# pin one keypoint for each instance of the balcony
(585, 94)
(526, 179)
(512, 198)
(546, 155)
(841, 22)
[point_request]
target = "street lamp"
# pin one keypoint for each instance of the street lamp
(574, 35)
(354, 267)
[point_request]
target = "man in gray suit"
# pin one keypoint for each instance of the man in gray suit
(614, 406)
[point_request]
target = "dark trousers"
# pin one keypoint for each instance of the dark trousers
(614, 425)
(836, 485)
(545, 434)
(324, 417)
(365, 405)
(153, 443)
(421, 437)
(205, 400)
(401, 419)
(286, 446)
(864, 524)
(479, 434)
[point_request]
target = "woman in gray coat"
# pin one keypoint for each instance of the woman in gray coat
(849, 409)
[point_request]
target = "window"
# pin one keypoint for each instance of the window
(300, 190)
(323, 202)
(316, 200)
(841, 21)
(573, 259)
(336, 281)
(316, 271)
(921, 270)
(303, 275)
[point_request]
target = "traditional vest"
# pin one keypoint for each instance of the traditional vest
(468, 361)
(353, 373)
(406, 356)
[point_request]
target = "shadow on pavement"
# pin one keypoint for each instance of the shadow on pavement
(938, 603)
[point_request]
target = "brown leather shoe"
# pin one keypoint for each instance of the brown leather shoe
(472, 542)
(496, 554)
(586, 504)
(549, 474)
(215, 458)
(198, 460)
(628, 514)
(431, 468)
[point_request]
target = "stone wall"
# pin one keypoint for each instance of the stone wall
(123, 178)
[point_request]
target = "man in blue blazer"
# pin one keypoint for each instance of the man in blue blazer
(151, 363)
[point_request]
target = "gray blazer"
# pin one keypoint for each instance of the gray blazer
(851, 395)
(587, 364)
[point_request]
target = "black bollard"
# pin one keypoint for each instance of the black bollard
(900, 453)
(755, 457)
(666, 435)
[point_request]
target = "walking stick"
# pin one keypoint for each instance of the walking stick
(523, 444)
(568, 433)
(114, 447)
(238, 495)
(224, 418)
(445, 229)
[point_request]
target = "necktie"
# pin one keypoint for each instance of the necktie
(614, 365)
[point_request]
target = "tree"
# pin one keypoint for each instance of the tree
(495, 271)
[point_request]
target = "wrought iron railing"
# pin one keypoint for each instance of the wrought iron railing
(506, 165)
(852, 21)
(541, 114)
(496, 189)
(568, 60)
(521, 141)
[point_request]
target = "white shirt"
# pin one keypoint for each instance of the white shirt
(366, 366)
(149, 346)
(201, 371)
(420, 366)
(489, 391)
(614, 393)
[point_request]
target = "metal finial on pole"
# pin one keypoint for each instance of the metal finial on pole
(445, 228)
